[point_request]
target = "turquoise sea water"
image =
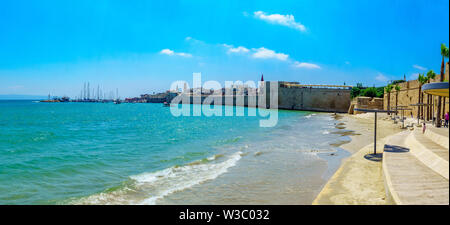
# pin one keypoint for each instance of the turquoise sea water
(100, 153)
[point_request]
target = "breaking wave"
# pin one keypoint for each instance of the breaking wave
(148, 188)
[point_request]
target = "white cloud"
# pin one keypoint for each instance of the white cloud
(257, 53)
(239, 49)
(306, 65)
(381, 77)
(170, 52)
(414, 76)
(284, 20)
(188, 38)
(419, 67)
(167, 52)
(264, 53)
(184, 54)
(347, 62)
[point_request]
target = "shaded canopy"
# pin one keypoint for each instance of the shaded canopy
(438, 89)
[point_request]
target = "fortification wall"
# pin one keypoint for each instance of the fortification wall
(251, 101)
(314, 99)
(294, 98)
(409, 94)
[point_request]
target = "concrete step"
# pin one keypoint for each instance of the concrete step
(426, 140)
(438, 135)
(408, 181)
(428, 152)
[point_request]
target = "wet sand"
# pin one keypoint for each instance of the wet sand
(359, 180)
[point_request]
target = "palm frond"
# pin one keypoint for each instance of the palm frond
(431, 75)
(444, 50)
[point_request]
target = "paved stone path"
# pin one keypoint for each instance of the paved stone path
(409, 181)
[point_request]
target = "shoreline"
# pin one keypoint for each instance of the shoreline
(284, 166)
(358, 180)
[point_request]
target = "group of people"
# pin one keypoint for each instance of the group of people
(446, 118)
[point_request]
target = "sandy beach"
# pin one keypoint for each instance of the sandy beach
(359, 181)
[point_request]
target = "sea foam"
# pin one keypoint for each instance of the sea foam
(148, 188)
(176, 179)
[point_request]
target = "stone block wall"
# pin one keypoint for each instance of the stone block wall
(365, 103)
(409, 94)
(314, 99)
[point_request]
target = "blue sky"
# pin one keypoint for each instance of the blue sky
(143, 46)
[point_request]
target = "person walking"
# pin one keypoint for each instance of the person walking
(446, 120)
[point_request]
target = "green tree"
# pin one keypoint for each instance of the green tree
(359, 90)
(397, 89)
(356, 91)
(369, 92)
(388, 90)
(430, 75)
(380, 92)
(422, 79)
(444, 54)
(397, 81)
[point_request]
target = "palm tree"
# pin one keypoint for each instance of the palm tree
(430, 75)
(388, 90)
(422, 79)
(397, 89)
(444, 54)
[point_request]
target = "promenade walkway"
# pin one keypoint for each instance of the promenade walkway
(415, 169)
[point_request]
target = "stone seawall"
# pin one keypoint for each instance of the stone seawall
(292, 98)
(220, 100)
(314, 99)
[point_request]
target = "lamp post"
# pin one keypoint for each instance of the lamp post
(375, 128)
(418, 105)
(402, 108)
